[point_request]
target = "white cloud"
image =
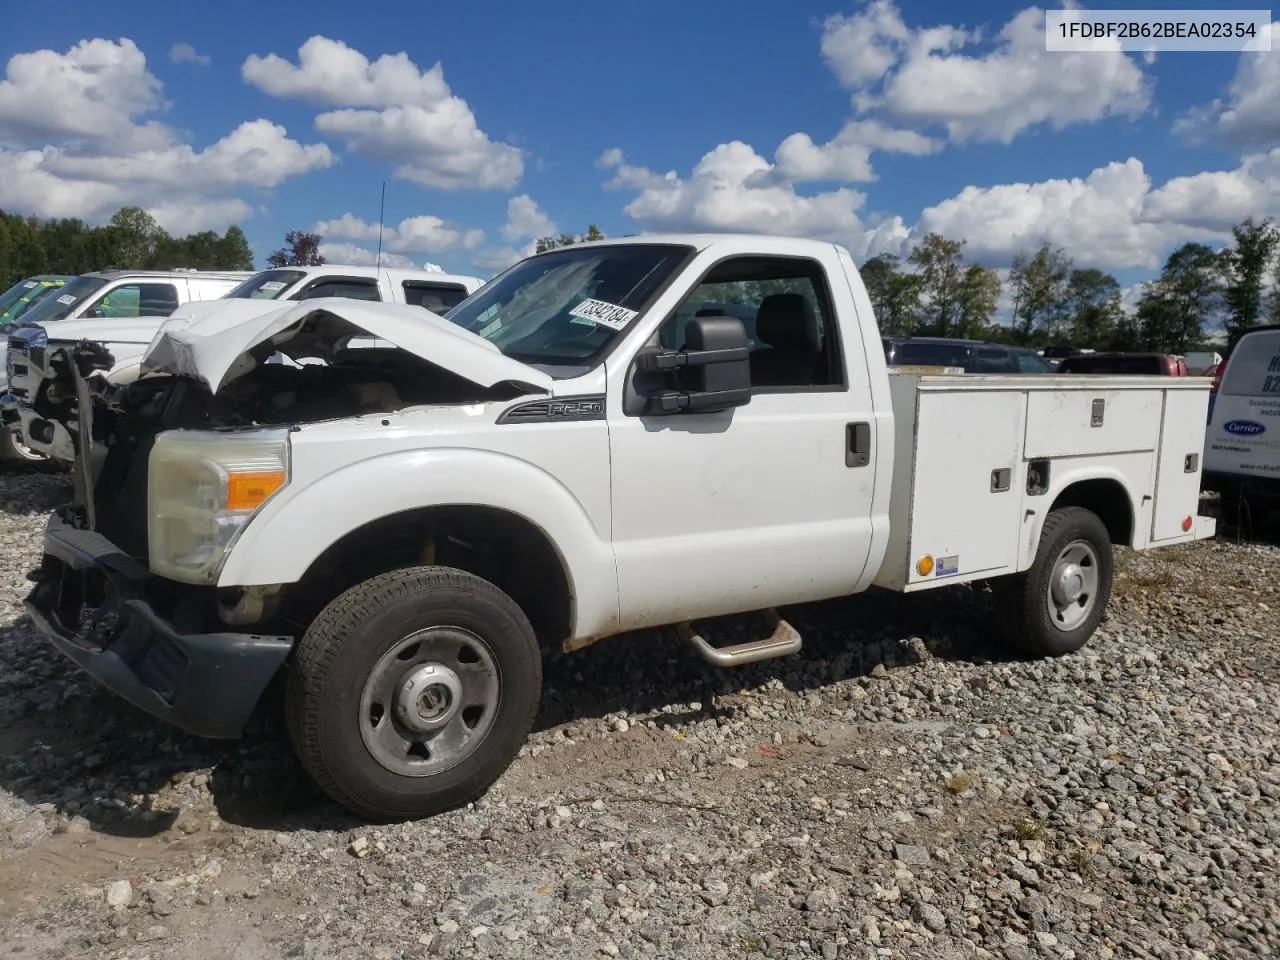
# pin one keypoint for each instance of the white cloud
(186, 53)
(394, 113)
(928, 77)
(1249, 115)
(90, 96)
(1113, 218)
(734, 189)
(257, 153)
(176, 183)
(421, 234)
(353, 255)
(846, 157)
(1215, 199)
(526, 219)
(75, 142)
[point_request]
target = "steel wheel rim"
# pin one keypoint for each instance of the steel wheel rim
(429, 701)
(1072, 592)
(22, 450)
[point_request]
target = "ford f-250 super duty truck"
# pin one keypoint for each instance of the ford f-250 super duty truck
(581, 448)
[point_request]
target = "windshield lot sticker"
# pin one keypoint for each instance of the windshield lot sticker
(66, 298)
(273, 285)
(606, 314)
(30, 283)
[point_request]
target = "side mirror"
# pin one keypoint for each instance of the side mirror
(712, 371)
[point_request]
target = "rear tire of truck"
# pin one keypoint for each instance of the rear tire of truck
(411, 693)
(1053, 608)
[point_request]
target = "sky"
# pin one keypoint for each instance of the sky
(867, 123)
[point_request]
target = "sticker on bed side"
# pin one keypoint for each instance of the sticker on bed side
(607, 314)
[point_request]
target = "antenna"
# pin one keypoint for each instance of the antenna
(381, 210)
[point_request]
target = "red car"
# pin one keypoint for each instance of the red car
(1157, 364)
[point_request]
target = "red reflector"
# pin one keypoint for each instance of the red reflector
(1186, 524)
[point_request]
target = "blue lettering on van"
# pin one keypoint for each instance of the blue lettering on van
(1244, 428)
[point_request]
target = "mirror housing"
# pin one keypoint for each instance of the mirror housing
(713, 369)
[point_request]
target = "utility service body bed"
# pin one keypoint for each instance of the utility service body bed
(978, 461)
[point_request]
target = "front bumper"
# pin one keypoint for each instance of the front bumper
(206, 683)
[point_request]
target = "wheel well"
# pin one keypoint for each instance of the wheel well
(1106, 498)
(503, 548)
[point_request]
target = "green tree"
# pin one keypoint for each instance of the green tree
(1039, 292)
(1187, 296)
(300, 250)
(544, 244)
(137, 236)
(895, 295)
(1092, 306)
(234, 252)
(977, 298)
(938, 262)
(1243, 268)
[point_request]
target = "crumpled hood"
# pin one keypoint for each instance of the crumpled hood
(214, 349)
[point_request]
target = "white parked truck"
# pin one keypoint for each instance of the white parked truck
(106, 296)
(581, 448)
(41, 412)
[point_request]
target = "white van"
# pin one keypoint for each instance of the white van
(1242, 444)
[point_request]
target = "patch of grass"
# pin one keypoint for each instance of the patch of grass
(960, 781)
(1081, 861)
(1029, 829)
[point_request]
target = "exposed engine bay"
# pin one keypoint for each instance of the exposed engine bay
(125, 418)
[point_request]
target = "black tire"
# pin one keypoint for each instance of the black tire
(15, 454)
(344, 647)
(1023, 600)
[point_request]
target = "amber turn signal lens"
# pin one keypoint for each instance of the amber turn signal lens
(924, 566)
(248, 491)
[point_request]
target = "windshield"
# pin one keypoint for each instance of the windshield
(1254, 367)
(563, 308)
(267, 285)
(67, 298)
(15, 293)
(10, 314)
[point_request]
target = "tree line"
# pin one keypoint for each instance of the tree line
(131, 239)
(1199, 290)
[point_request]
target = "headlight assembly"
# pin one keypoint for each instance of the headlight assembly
(202, 490)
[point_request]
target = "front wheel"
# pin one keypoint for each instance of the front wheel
(15, 452)
(412, 692)
(1054, 607)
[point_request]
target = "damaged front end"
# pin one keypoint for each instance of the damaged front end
(171, 467)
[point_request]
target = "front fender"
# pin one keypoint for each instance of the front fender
(293, 529)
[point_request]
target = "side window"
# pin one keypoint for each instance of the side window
(350, 288)
(993, 360)
(135, 300)
(784, 305)
(437, 297)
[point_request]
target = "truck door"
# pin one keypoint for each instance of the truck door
(765, 503)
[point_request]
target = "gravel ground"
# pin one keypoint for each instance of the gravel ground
(903, 789)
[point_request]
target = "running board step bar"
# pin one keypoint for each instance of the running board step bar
(783, 642)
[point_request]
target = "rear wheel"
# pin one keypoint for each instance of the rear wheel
(413, 691)
(1054, 607)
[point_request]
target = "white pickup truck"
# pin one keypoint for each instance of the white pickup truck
(41, 413)
(581, 448)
